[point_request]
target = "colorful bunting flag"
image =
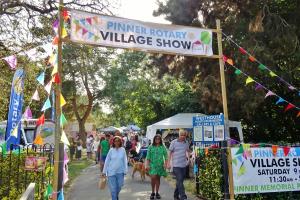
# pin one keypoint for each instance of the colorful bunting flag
(61, 195)
(90, 35)
(48, 192)
(55, 70)
(46, 105)
(280, 100)
(55, 40)
(82, 21)
(11, 61)
(262, 67)
(243, 51)
(269, 93)
(286, 150)
(64, 138)
(89, 20)
(38, 140)
(225, 58)
(62, 100)
(35, 96)
(56, 78)
(258, 86)
(274, 149)
(65, 14)
(298, 115)
(96, 19)
(63, 120)
(292, 87)
(41, 78)
(252, 59)
(249, 80)
(27, 114)
(15, 132)
(41, 120)
(240, 150)
(237, 72)
(84, 31)
(289, 106)
(230, 62)
(64, 32)
(48, 87)
(272, 74)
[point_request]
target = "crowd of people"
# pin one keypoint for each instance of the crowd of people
(114, 152)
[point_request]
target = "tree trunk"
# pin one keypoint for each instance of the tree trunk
(82, 132)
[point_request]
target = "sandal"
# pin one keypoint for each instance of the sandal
(158, 196)
(152, 195)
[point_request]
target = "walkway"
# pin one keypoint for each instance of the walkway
(85, 187)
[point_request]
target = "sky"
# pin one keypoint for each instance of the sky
(140, 10)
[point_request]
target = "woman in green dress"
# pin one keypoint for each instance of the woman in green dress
(156, 162)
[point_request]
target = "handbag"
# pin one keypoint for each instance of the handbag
(102, 183)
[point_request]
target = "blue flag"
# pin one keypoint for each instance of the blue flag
(15, 109)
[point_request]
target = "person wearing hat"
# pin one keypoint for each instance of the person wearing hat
(115, 167)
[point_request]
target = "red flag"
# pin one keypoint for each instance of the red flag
(56, 78)
(55, 41)
(65, 14)
(225, 58)
(274, 149)
(243, 51)
(41, 120)
(286, 150)
(289, 106)
(252, 59)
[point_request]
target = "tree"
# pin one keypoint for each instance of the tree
(267, 29)
(84, 70)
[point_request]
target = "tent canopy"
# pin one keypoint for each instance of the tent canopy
(183, 120)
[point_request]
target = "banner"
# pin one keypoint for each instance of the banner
(126, 33)
(15, 109)
(257, 170)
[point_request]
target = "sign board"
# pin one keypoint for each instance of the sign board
(33, 163)
(209, 128)
(102, 30)
(257, 170)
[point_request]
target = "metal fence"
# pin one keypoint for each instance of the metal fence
(14, 178)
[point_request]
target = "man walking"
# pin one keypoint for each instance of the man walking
(179, 154)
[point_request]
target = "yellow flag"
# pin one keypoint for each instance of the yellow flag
(54, 71)
(272, 74)
(249, 80)
(64, 33)
(15, 132)
(62, 100)
(51, 59)
(64, 138)
(38, 140)
(230, 61)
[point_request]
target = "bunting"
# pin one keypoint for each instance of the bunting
(46, 105)
(62, 100)
(41, 78)
(64, 138)
(35, 96)
(11, 61)
(48, 87)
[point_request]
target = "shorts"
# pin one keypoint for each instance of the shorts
(103, 158)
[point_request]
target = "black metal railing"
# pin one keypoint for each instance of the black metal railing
(14, 178)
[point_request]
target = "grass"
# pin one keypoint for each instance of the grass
(189, 184)
(75, 168)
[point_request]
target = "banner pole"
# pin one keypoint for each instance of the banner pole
(59, 146)
(225, 110)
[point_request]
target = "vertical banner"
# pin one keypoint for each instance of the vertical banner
(53, 106)
(15, 109)
(118, 32)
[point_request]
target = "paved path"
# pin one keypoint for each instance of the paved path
(85, 187)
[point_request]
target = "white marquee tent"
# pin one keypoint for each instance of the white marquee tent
(183, 120)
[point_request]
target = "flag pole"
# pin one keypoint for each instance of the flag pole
(59, 146)
(225, 110)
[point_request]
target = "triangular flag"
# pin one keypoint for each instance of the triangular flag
(280, 100)
(262, 144)
(12, 61)
(28, 114)
(262, 67)
(77, 28)
(63, 120)
(89, 20)
(38, 140)
(61, 195)
(258, 86)
(90, 35)
(269, 93)
(55, 24)
(65, 14)
(64, 32)
(48, 191)
(41, 120)
(46, 105)
(240, 150)
(62, 100)
(297, 149)
(272, 74)
(225, 58)
(64, 138)
(274, 149)
(84, 31)
(35, 96)
(237, 72)
(15, 132)
(55, 70)
(55, 40)
(229, 61)
(41, 78)
(82, 21)
(95, 19)
(289, 106)
(249, 80)
(48, 87)
(56, 78)
(286, 150)
(298, 115)
(243, 51)
(252, 59)
(52, 59)
(292, 87)
(242, 170)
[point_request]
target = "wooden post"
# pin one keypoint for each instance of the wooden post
(59, 146)
(225, 110)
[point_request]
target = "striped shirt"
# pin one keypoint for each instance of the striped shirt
(178, 150)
